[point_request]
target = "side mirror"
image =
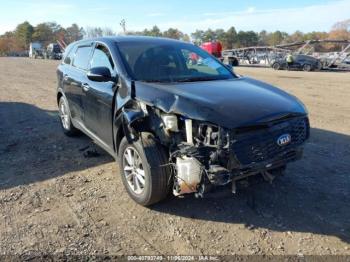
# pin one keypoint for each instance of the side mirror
(100, 74)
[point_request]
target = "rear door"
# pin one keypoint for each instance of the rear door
(74, 78)
(98, 97)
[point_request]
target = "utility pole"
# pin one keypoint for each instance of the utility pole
(123, 25)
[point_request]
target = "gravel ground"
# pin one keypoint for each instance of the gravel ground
(64, 195)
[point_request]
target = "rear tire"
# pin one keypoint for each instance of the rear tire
(66, 122)
(276, 66)
(144, 170)
(307, 68)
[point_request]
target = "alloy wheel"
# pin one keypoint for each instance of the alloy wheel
(133, 170)
(63, 111)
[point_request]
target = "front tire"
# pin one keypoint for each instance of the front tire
(143, 165)
(319, 66)
(66, 122)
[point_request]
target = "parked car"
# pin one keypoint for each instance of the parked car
(175, 126)
(300, 62)
(54, 51)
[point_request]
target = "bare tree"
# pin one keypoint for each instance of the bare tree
(91, 32)
(342, 25)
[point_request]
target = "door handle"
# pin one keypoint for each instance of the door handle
(86, 87)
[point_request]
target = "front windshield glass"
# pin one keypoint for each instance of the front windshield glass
(170, 62)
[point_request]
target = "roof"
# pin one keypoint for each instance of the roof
(133, 38)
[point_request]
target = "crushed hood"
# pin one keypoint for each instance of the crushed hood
(227, 103)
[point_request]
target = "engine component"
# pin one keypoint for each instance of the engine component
(209, 134)
(189, 175)
(219, 175)
(268, 176)
(189, 135)
(170, 123)
(143, 107)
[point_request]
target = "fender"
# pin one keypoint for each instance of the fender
(128, 123)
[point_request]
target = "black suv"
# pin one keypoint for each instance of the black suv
(300, 62)
(175, 126)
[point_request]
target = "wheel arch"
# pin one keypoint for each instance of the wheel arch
(59, 95)
(129, 123)
(120, 134)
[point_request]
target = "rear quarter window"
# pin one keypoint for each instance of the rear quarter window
(68, 55)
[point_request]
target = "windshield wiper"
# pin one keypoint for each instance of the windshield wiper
(195, 79)
(187, 79)
(155, 81)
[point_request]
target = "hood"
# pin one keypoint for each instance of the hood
(227, 103)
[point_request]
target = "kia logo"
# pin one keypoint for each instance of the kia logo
(284, 140)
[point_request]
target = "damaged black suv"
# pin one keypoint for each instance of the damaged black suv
(172, 125)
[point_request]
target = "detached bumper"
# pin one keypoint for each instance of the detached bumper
(221, 176)
(280, 160)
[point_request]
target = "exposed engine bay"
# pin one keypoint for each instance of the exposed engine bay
(203, 155)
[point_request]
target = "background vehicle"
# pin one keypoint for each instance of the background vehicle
(230, 58)
(214, 48)
(300, 62)
(53, 51)
(36, 50)
(169, 123)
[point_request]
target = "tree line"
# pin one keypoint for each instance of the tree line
(18, 40)
(49, 32)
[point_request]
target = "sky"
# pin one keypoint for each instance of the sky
(187, 16)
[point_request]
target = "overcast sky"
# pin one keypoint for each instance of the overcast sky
(271, 15)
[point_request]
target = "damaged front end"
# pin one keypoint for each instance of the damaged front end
(204, 155)
(216, 156)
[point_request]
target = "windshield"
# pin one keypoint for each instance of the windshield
(170, 62)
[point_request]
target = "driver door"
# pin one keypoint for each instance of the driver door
(297, 62)
(98, 97)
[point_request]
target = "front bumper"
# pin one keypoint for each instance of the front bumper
(280, 160)
(225, 176)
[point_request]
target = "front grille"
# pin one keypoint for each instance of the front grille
(261, 145)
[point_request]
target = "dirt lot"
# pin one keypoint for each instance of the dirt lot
(56, 198)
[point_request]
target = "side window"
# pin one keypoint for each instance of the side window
(102, 58)
(68, 56)
(82, 56)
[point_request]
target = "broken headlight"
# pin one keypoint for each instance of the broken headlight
(208, 134)
(212, 135)
(170, 122)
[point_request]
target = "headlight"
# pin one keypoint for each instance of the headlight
(170, 122)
